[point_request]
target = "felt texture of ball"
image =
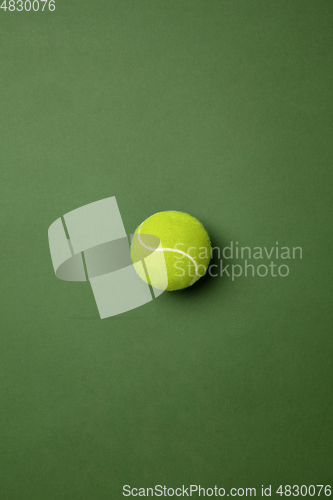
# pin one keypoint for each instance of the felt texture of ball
(184, 243)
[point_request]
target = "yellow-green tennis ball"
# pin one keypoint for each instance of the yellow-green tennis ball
(183, 242)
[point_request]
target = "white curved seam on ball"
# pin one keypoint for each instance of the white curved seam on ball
(171, 250)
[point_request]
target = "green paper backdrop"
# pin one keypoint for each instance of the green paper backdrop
(219, 108)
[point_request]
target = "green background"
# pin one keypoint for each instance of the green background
(219, 108)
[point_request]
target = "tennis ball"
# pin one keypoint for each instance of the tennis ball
(175, 249)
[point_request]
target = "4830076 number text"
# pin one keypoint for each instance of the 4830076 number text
(27, 5)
